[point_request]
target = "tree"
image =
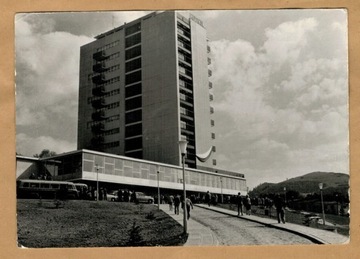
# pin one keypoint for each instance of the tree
(45, 153)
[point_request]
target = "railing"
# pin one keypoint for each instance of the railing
(100, 67)
(98, 90)
(100, 55)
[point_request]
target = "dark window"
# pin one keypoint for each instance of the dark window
(133, 103)
(133, 77)
(132, 90)
(134, 116)
(132, 40)
(212, 122)
(132, 65)
(135, 154)
(214, 161)
(213, 135)
(213, 148)
(133, 52)
(134, 143)
(133, 130)
(132, 29)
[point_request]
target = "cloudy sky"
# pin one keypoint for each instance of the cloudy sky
(280, 86)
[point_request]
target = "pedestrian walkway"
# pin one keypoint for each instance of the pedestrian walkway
(318, 236)
(200, 235)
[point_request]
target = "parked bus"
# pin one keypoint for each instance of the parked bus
(28, 188)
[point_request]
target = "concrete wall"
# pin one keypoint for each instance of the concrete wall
(160, 89)
(201, 92)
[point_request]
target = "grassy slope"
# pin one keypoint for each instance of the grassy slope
(91, 224)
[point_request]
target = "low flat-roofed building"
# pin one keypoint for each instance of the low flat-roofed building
(115, 172)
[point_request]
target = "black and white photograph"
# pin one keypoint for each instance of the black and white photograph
(185, 128)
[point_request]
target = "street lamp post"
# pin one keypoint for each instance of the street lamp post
(322, 202)
(183, 145)
(221, 186)
(97, 182)
(158, 186)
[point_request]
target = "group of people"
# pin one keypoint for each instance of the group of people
(246, 203)
(175, 201)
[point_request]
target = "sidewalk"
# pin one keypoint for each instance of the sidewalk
(200, 235)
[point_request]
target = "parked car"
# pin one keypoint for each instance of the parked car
(141, 197)
(112, 196)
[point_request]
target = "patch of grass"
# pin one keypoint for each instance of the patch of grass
(95, 224)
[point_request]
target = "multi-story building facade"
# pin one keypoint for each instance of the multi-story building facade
(144, 86)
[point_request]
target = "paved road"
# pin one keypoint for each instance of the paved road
(229, 230)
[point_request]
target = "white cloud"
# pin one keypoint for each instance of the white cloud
(48, 73)
(285, 42)
(282, 107)
(30, 146)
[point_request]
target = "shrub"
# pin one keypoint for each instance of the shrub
(135, 238)
(150, 215)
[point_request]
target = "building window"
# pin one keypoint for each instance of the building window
(214, 161)
(132, 29)
(111, 144)
(133, 116)
(211, 97)
(183, 125)
(133, 103)
(133, 90)
(212, 123)
(133, 77)
(211, 110)
(213, 135)
(213, 148)
(132, 65)
(135, 154)
(133, 40)
(182, 97)
(133, 144)
(133, 130)
(108, 46)
(133, 52)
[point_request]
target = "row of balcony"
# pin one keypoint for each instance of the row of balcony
(100, 55)
(100, 67)
(98, 115)
(99, 103)
(99, 79)
(184, 46)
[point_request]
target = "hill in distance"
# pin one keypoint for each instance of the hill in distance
(308, 183)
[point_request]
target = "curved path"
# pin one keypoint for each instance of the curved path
(207, 227)
(229, 230)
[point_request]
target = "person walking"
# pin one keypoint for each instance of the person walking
(208, 198)
(248, 205)
(171, 201)
(176, 204)
(189, 205)
(239, 203)
(279, 205)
